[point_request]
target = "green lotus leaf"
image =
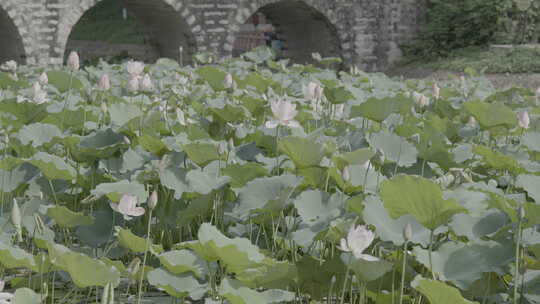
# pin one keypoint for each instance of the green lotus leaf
(492, 115)
(7, 82)
(419, 197)
(38, 134)
(213, 76)
(153, 144)
(182, 261)
(26, 296)
(242, 174)
(498, 160)
(201, 153)
(14, 257)
(114, 191)
(264, 194)
(64, 81)
(367, 271)
(84, 270)
(303, 152)
(531, 184)
(134, 243)
(52, 166)
(337, 95)
(179, 286)
(531, 140)
(236, 293)
(379, 109)
(438, 292)
(357, 157)
(121, 113)
(236, 254)
(315, 207)
(452, 261)
(206, 180)
(66, 218)
(395, 148)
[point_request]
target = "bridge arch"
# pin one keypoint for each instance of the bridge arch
(303, 26)
(168, 23)
(10, 38)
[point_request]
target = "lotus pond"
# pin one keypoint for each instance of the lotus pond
(253, 181)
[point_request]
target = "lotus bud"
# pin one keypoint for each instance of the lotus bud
(73, 61)
(133, 267)
(407, 232)
(104, 107)
(222, 148)
(345, 174)
(108, 294)
(181, 49)
(436, 91)
(228, 81)
(133, 84)
(127, 141)
(423, 101)
(523, 119)
(333, 280)
(230, 143)
(146, 83)
(43, 79)
(16, 219)
(153, 200)
(472, 122)
(104, 82)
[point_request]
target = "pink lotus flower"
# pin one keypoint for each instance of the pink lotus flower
(128, 207)
(284, 112)
(358, 239)
(104, 82)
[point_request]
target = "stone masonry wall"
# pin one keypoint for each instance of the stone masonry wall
(365, 33)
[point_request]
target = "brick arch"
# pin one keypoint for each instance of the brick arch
(14, 45)
(173, 14)
(331, 11)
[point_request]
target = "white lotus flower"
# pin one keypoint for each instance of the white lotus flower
(104, 82)
(228, 82)
(128, 207)
(133, 84)
(135, 68)
(284, 112)
(146, 83)
(523, 119)
(312, 91)
(73, 61)
(5, 297)
(358, 239)
(39, 95)
(43, 79)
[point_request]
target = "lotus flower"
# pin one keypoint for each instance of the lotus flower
(135, 68)
(10, 65)
(472, 122)
(284, 112)
(358, 239)
(39, 95)
(73, 61)
(43, 79)
(228, 82)
(146, 83)
(104, 82)
(128, 207)
(312, 91)
(133, 84)
(523, 119)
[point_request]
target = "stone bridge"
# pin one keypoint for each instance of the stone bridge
(366, 33)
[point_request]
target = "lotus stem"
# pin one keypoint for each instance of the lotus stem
(139, 293)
